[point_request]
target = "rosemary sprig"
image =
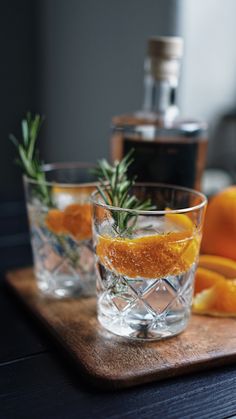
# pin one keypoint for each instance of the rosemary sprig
(28, 155)
(115, 191)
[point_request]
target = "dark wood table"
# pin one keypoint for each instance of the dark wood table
(37, 381)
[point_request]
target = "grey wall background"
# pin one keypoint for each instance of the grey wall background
(208, 88)
(78, 63)
(81, 62)
(92, 55)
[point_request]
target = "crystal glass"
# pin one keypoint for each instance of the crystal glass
(59, 213)
(146, 261)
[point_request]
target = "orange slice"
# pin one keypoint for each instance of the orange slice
(205, 279)
(221, 265)
(149, 256)
(75, 220)
(181, 220)
(54, 221)
(220, 300)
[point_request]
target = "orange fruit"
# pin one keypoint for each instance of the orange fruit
(181, 220)
(223, 266)
(77, 221)
(149, 256)
(205, 279)
(101, 214)
(54, 221)
(219, 234)
(220, 300)
(215, 293)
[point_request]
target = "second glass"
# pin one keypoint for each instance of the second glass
(146, 262)
(60, 218)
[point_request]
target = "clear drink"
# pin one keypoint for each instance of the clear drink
(145, 279)
(64, 266)
(61, 231)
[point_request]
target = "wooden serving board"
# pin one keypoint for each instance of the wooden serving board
(110, 361)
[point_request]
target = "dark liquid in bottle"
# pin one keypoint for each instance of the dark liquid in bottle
(173, 157)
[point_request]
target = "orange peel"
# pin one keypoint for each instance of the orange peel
(181, 220)
(219, 300)
(149, 256)
(76, 220)
(221, 265)
(205, 279)
(54, 221)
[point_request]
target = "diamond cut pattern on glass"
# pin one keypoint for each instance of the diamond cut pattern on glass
(38, 238)
(65, 269)
(106, 278)
(159, 296)
(144, 305)
(139, 314)
(141, 286)
(107, 304)
(49, 259)
(60, 262)
(122, 294)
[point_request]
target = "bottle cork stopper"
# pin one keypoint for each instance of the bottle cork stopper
(164, 53)
(167, 47)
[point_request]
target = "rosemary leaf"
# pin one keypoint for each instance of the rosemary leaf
(28, 155)
(115, 189)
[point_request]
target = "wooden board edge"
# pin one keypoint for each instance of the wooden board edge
(99, 379)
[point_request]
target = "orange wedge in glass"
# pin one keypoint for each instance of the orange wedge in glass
(54, 221)
(180, 220)
(76, 220)
(149, 256)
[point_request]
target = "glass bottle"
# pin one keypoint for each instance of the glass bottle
(167, 149)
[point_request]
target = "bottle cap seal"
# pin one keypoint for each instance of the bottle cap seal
(166, 47)
(164, 53)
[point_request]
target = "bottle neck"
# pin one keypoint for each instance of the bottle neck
(160, 97)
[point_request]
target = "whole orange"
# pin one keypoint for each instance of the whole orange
(219, 233)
